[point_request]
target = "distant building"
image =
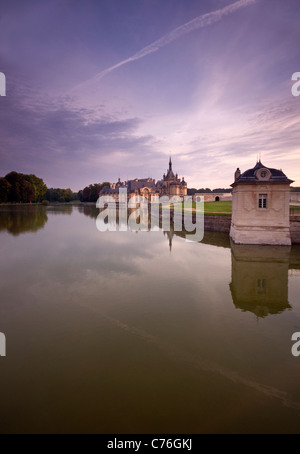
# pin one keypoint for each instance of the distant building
(170, 185)
(260, 207)
(295, 197)
(212, 196)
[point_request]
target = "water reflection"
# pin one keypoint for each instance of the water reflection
(60, 209)
(170, 233)
(259, 274)
(17, 220)
(259, 281)
(218, 239)
(89, 210)
(111, 333)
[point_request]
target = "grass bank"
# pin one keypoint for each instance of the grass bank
(219, 208)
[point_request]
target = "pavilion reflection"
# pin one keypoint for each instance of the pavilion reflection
(259, 278)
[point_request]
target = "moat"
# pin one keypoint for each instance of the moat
(125, 332)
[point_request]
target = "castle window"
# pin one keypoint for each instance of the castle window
(262, 201)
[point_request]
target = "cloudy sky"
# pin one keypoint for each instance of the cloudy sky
(101, 89)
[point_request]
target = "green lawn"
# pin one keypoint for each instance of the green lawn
(217, 207)
(209, 207)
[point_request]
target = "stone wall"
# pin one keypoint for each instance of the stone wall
(295, 229)
(217, 223)
(213, 196)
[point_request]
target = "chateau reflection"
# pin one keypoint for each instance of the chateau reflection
(170, 234)
(259, 278)
(146, 223)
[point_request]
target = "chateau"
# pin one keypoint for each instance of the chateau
(170, 185)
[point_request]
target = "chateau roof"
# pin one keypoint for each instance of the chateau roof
(107, 189)
(138, 184)
(170, 174)
(141, 183)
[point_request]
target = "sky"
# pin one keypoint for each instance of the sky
(102, 89)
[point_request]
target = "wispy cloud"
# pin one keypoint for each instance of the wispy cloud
(43, 136)
(198, 22)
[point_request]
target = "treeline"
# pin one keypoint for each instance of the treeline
(91, 193)
(192, 191)
(60, 195)
(88, 194)
(19, 187)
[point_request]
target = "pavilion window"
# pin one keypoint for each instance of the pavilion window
(262, 201)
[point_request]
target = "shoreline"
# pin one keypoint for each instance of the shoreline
(213, 221)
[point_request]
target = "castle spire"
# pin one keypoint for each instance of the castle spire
(170, 164)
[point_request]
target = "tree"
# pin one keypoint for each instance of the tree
(5, 188)
(91, 193)
(25, 188)
(67, 195)
(94, 192)
(16, 181)
(28, 192)
(106, 183)
(39, 187)
(52, 194)
(85, 194)
(21, 189)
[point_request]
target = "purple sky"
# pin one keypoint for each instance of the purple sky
(103, 89)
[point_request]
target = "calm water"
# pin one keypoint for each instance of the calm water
(143, 332)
